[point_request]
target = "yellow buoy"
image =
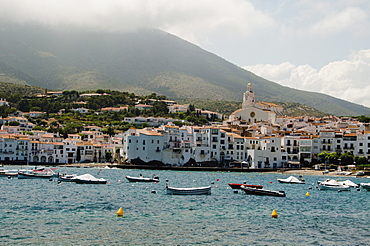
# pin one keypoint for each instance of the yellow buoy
(308, 194)
(120, 212)
(274, 214)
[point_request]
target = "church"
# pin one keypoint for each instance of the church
(252, 112)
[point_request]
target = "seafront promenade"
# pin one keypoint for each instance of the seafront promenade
(175, 168)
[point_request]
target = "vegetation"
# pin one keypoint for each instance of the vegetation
(346, 158)
(227, 107)
(111, 122)
(364, 119)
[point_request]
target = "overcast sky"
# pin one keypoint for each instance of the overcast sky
(314, 45)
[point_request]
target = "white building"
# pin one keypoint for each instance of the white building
(252, 112)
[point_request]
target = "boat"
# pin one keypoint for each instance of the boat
(262, 192)
(8, 173)
(66, 177)
(341, 172)
(360, 173)
(237, 186)
(142, 179)
(366, 186)
(189, 191)
(31, 174)
(349, 183)
(88, 179)
(330, 184)
(292, 180)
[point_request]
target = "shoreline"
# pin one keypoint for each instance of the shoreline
(284, 171)
(313, 172)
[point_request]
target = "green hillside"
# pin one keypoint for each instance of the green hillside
(24, 90)
(141, 62)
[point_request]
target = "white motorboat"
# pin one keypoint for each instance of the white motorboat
(292, 180)
(330, 184)
(189, 191)
(66, 177)
(88, 179)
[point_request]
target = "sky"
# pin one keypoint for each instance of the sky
(313, 45)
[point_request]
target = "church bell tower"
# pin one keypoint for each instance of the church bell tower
(248, 97)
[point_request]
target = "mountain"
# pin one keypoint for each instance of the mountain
(142, 62)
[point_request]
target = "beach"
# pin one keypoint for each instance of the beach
(317, 173)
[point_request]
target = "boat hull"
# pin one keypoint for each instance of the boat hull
(66, 178)
(89, 181)
(189, 191)
(141, 179)
(332, 185)
(339, 187)
(291, 182)
(262, 192)
(237, 186)
(8, 174)
(22, 175)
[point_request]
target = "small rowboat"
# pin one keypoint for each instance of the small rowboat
(189, 191)
(237, 186)
(262, 192)
(8, 173)
(142, 179)
(35, 175)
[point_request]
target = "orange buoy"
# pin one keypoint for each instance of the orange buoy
(274, 214)
(120, 212)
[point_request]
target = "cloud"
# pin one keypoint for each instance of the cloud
(345, 79)
(187, 19)
(344, 20)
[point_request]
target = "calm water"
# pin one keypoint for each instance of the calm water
(43, 212)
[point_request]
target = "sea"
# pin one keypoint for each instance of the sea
(45, 212)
